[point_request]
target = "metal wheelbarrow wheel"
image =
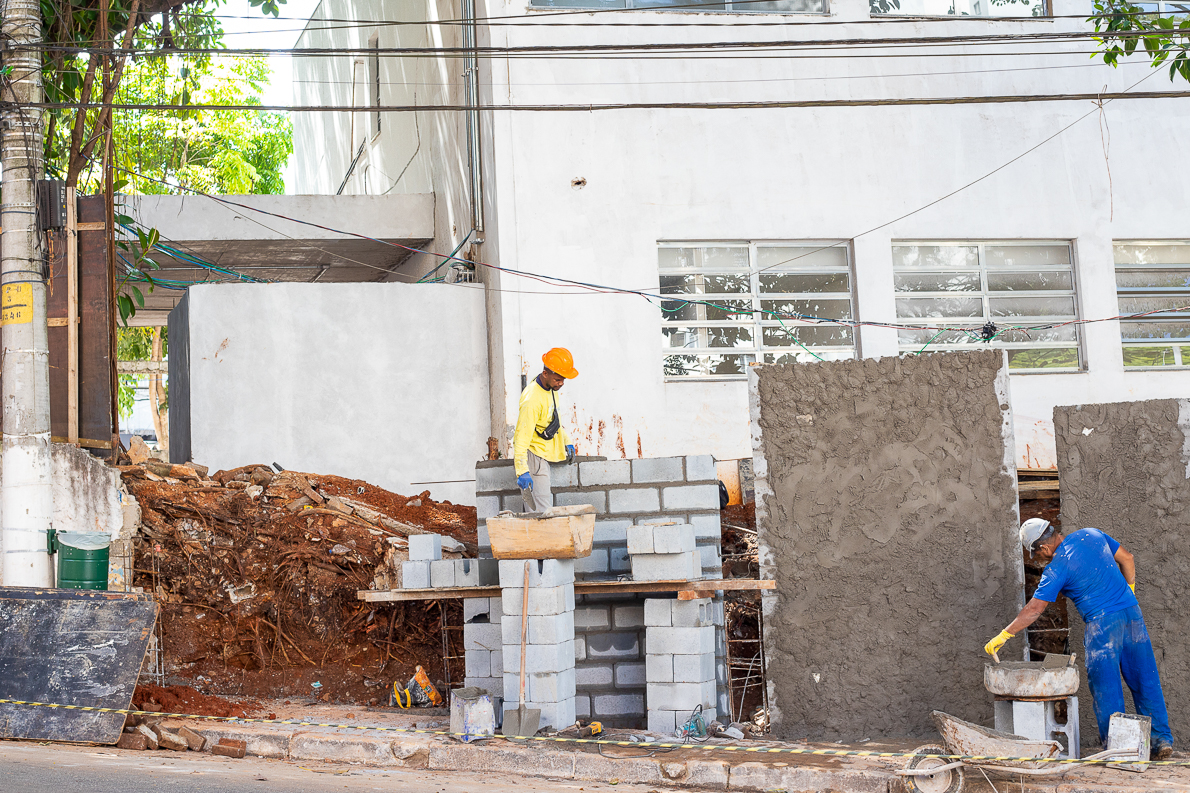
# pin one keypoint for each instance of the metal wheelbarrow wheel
(946, 780)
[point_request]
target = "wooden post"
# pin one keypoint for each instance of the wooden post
(72, 314)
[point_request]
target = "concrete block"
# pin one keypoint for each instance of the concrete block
(657, 612)
(553, 688)
(549, 629)
(588, 618)
(659, 668)
(663, 721)
(681, 641)
(691, 613)
(630, 675)
(442, 572)
(675, 538)
(596, 498)
(593, 676)
(641, 499)
(597, 562)
(415, 575)
(657, 469)
(640, 539)
(542, 600)
(558, 715)
(477, 572)
(693, 668)
(483, 636)
(497, 662)
(495, 478)
(701, 468)
(718, 617)
(619, 560)
(513, 502)
(492, 685)
(425, 547)
(486, 506)
(682, 696)
(706, 526)
(607, 472)
(690, 497)
(624, 645)
(479, 663)
(709, 558)
(483, 540)
(664, 519)
(628, 616)
(582, 706)
(611, 530)
(664, 567)
(495, 608)
(563, 475)
(720, 672)
(618, 705)
(473, 607)
(543, 573)
(540, 658)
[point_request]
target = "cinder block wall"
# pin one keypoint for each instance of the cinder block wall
(609, 630)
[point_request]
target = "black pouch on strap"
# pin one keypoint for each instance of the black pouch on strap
(551, 429)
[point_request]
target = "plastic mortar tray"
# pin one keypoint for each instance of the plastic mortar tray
(556, 533)
(1029, 679)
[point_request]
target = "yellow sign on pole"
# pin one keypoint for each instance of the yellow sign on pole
(16, 304)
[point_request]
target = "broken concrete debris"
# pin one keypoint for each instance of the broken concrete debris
(230, 747)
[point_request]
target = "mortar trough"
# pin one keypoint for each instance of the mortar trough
(1025, 679)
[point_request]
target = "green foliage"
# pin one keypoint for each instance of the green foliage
(136, 344)
(1125, 28)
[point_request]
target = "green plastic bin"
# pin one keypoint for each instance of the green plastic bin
(82, 558)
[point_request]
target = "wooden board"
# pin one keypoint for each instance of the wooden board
(687, 590)
(70, 647)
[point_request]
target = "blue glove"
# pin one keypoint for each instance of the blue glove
(570, 452)
(525, 481)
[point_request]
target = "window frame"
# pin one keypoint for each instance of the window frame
(1181, 359)
(757, 351)
(986, 296)
(628, 6)
(1048, 6)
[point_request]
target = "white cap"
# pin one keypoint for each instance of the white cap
(1031, 531)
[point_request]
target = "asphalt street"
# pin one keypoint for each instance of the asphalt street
(49, 768)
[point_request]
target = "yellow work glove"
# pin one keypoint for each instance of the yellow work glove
(993, 647)
(1132, 586)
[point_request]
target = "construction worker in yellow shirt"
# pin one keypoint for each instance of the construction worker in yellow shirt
(540, 438)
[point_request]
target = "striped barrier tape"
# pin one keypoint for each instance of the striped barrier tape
(606, 742)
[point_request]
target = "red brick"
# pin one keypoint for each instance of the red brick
(229, 747)
(132, 740)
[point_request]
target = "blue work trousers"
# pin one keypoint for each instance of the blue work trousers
(1118, 644)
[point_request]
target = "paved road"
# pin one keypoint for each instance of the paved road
(37, 768)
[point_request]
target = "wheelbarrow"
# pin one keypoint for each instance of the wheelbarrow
(991, 750)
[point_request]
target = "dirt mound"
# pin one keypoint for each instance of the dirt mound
(183, 699)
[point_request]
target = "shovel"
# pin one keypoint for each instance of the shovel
(522, 722)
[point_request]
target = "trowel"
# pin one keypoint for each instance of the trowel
(522, 722)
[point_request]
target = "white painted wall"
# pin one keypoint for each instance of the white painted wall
(796, 174)
(381, 382)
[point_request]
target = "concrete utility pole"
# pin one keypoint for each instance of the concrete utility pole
(26, 497)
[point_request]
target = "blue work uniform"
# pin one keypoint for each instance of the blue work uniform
(1116, 641)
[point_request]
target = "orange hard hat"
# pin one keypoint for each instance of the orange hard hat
(561, 361)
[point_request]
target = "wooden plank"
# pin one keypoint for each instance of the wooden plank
(59, 322)
(94, 226)
(142, 367)
(86, 443)
(1044, 484)
(691, 589)
(1032, 471)
(70, 647)
(72, 316)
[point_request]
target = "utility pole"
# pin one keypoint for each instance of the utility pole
(26, 495)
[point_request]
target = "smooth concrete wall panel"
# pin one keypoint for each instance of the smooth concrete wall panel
(179, 380)
(887, 512)
(382, 382)
(1125, 468)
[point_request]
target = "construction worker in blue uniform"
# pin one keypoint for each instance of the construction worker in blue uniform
(1099, 575)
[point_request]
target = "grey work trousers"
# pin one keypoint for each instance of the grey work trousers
(539, 498)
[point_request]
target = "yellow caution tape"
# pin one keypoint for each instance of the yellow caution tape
(605, 742)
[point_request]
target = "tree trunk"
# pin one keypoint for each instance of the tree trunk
(157, 396)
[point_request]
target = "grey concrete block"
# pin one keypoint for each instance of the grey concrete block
(497, 662)
(682, 696)
(673, 538)
(659, 668)
(663, 721)
(657, 469)
(597, 562)
(558, 715)
(630, 675)
(641, 499)
(442, 573)
(495, 608)
(594, 676)
(549, 629)
(542, 600)
(486, 506)
(612, 645)
(415, 575)
(696, 613)
(681, 641)
(611, 530)
(425, 547)
(580, 648)
(664, 567)
(492, 685)
(563, 475)
(717, 614)
(709, 557)
(588, 618)
(701, 468)
(658, 612)
(618, 705)
(540, 658)
(483, 636)
(619, 559)
(608, 472)
(477, 572)
(628, 616)
(582, 706)
(541, 688)
(513, 502)
(693, 668)
(483, 540)
(495, 478)
(479, 663)
(690, 497)
(596, 498)
(473, 607)
(640, 539)
(542, 572)
(706, 526)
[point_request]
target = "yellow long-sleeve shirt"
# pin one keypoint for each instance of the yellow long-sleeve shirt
(536, 413)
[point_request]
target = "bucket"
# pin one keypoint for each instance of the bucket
(82, 558)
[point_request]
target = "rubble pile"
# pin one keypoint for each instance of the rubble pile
(257, 571)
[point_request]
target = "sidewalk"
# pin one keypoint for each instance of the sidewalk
(699, 766)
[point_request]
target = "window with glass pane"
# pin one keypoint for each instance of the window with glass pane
(700, 6)
(949, 290)
(1154, 276)
(726, 305)
(962, 8)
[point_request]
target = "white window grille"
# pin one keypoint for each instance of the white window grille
(953, 290)
(698, 6)
(1154, 276)
(729, 304)
(963, 8)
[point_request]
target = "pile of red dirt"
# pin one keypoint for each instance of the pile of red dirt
(183, 699)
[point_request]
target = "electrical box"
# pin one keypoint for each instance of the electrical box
(51, 204)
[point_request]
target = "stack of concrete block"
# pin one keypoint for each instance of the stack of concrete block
(609, 659)
(483, 644)
(427, 569)
(549, 651)
(663, 552)
(679, 661)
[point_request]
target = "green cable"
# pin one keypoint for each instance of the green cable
(450, 256)
(931, 341)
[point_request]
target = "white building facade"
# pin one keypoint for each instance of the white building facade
(908, 227)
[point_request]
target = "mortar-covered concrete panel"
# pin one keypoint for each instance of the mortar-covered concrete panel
(1124, 468)
(887, 513)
